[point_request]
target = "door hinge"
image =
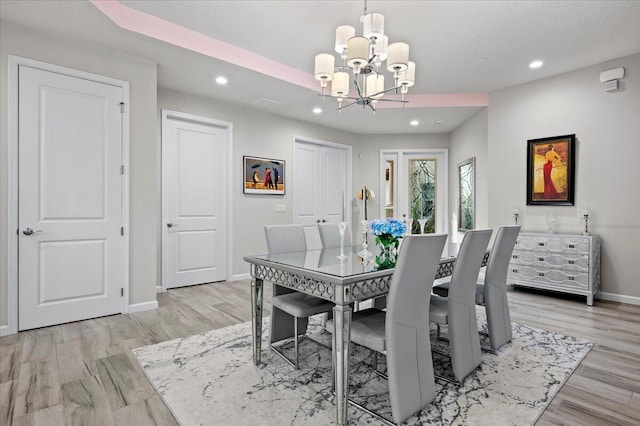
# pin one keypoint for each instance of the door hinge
(122, 107)
(121, 291)
(122, 169)
(122, 231)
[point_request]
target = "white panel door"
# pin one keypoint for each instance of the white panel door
(320, 188)
(196, 180)
(70, 199)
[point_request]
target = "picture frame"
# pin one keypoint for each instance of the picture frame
(551, 171)
(467, 195)
(265, 176)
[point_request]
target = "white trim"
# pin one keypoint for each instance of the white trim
(228, 126)
(349, 161)
(632, 300)
(4, 330)
(140, 307)
(14, 62)
(445, 176)
(159, 289)
(241, 277)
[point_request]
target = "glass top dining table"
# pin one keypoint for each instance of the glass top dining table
(323, 274)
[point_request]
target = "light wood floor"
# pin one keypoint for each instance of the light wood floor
(83, 373)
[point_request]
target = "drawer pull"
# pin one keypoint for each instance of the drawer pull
(541, 244)
(515, 256)
(572, 246)
(515, 271)
(541, 274)
(541, 259)
(571, 278)
(571, 262)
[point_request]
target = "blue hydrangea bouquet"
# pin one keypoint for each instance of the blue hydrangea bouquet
(388, 233)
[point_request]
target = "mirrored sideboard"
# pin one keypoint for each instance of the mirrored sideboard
(568, 263)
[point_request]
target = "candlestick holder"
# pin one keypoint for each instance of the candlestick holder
(550, 222)
(585, 217)
(342, 227)
(364, 253)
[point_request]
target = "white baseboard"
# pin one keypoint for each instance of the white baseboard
(158, 289)
(620, 298)
(4, 330)
(146, 306)
(240, 277)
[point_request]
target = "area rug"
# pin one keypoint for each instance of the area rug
(210, 379)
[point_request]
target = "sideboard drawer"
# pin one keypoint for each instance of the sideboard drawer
(541, 243)
(568, 262)
(555, 277)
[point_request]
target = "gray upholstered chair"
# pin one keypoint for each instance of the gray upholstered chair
(330, 235)
(402, 332)
(492, 291)
(458, 310)
(290, 309)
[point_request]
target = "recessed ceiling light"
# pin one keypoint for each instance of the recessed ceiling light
(414, 122)
(483, 59)
(317, 110)
(221, 80)
(438, 122)
(535, 64)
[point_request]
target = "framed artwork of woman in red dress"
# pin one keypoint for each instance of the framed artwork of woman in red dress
(551, 170)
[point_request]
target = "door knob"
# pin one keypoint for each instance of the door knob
(324, 220)
(318, 221)
(171, 225)
(29, 231)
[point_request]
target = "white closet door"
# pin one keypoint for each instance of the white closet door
(320, 188)
(70, 199)
(195, 222)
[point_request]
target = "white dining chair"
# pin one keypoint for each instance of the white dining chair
(330, 235)
(491, 292)
(458, 310)
(290, 308)
(402, 332)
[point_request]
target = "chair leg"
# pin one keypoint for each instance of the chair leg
(375, 366)
(295, 363)
(295, 336)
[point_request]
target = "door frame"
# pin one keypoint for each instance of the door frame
(228, 198)
(12, 155)
(348, 189)
(399, 153)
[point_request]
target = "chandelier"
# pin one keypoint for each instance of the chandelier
(364, 56)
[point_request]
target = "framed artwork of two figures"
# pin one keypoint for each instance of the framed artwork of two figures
(551, 171)
(263, 176)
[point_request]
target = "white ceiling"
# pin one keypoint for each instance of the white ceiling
(447, 39)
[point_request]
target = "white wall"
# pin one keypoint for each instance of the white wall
(255, 133)
(467, 141)
(142, 76)
(607, 128)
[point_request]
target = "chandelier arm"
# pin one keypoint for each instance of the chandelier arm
(386, 90)
(393, 100)
(355, 81)
(372, 108)
(347, 105)
(340, 97)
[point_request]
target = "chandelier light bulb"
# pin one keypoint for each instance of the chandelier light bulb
(343, 34)
(340, 84)
(357, 53)
(408, 77)
(325, 63)
(380, 48)
(398, 57)
(373, 25)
